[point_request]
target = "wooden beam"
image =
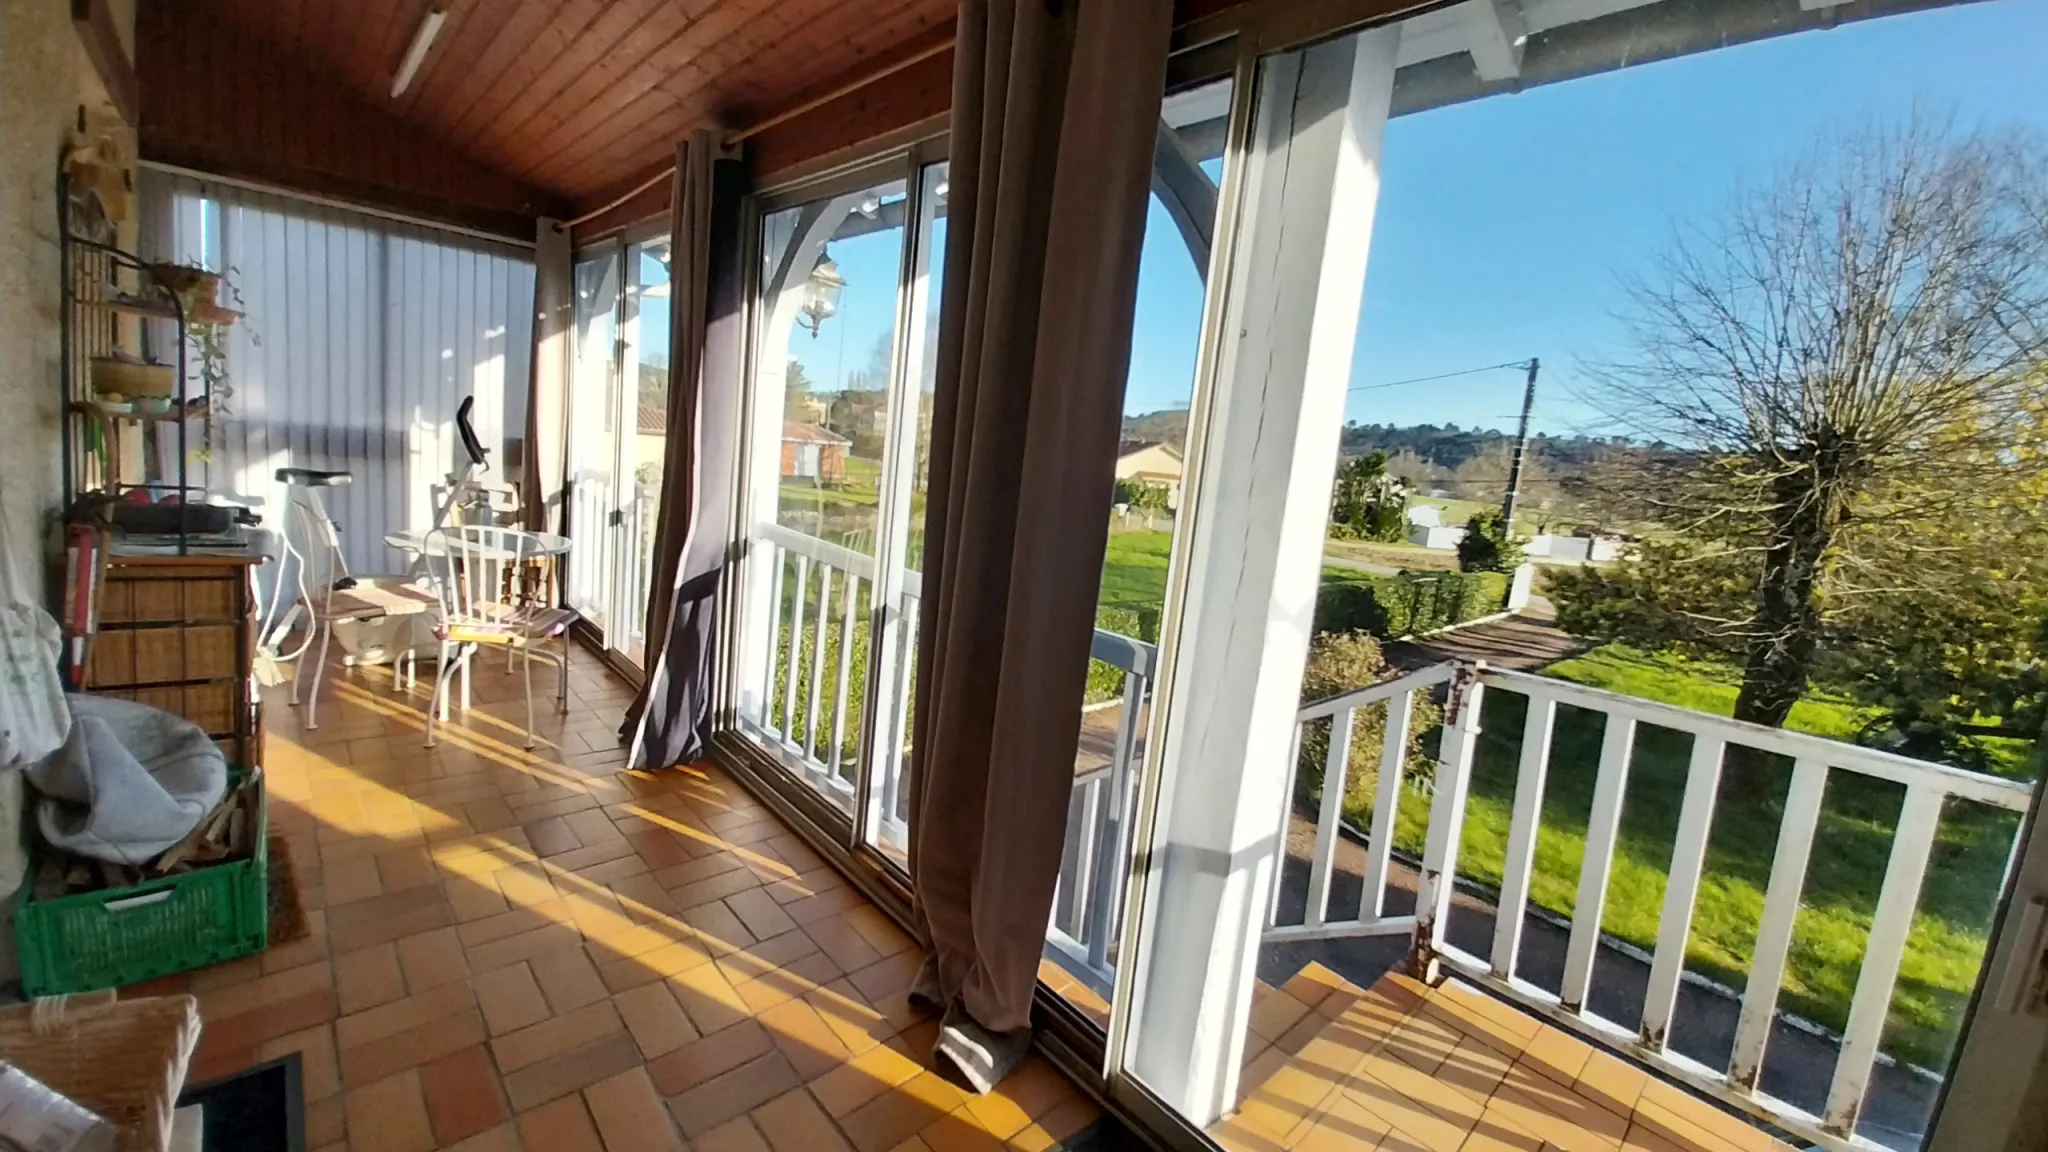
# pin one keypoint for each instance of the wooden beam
(102, 43)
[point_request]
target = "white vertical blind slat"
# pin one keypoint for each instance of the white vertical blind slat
(339, 362)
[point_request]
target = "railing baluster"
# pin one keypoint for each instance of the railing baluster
(1112, 850)
(1617, 746)
(1438, 879)
(1386, 805)
(818, 661)
(850, 612)
(1286, 826)
(1521, 858)
(772, 554)
(796, 648)
(1774, 930)
(1336, 770)
(1083, 894)
(1919, 819)
(1682, 888)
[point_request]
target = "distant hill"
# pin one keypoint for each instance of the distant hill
(1446, 446)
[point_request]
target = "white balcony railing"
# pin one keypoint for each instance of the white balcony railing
(808, 729)
(1087, 910)
(1927, 787)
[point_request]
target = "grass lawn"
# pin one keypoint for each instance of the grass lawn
(1847, 866)
(1134, 570)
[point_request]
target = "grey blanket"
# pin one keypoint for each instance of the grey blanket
(129, 782)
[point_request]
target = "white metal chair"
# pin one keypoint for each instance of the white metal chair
(327, 593)
(475, 569)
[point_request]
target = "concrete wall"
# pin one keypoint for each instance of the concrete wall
(44, 81)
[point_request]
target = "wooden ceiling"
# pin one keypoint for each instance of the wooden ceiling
(570, 99)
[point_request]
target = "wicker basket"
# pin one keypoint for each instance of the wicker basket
(123, 1059)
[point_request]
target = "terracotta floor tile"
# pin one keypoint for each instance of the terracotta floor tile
(401, 1015)
(561, 1126)
(629, 1116)
(864, 1077)
(732, 1136)
(503, 1138)
(890, 1118)
(804, 1039)
(524, 946)
(551, 837)
(326, 1121)
(412, 1047)
(568, 979)
(758, 910)
(319, 1072)
(551, 1037)
(706, 1059)
(431, 959)
(658, 1024)
(346, 881)
(264, 991)
(253, 1029)
(732, 1094)
(838, 938)
(390, 1115)
(793, 1122)
(462, 1094)
(510, 998)
(571, 1071)
(958, 1131)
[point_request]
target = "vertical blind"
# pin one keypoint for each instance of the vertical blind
(359, 338)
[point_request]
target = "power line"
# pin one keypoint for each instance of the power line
(1523, 364)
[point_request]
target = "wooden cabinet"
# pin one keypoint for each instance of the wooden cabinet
(179, 633)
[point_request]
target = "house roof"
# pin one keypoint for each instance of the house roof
(1133, 447)
(795, 433)
(652, 421)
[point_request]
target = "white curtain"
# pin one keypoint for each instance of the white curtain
(360, 337)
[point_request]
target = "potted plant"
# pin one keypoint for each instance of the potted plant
(206, 330)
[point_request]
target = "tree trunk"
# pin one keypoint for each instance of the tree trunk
(1784, 634)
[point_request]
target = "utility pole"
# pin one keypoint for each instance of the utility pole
(1507, 506)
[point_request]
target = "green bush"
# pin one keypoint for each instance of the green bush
(1488, 544)
(1345, 662)
(1404, 605)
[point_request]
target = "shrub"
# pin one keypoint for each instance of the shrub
(1345, 662)
(1410, 603)
(1488, 545)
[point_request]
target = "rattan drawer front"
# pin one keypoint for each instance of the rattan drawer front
(124, 657)
(160, 601)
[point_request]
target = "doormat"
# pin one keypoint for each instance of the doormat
(287, 918)
(260, 1110)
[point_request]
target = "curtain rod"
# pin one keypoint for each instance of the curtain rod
(780, 118)
(329, 202)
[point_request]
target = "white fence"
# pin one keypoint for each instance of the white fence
(1927, 787)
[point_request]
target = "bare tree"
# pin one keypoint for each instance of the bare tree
(1838, 357)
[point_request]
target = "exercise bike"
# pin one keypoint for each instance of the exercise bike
(376, 619)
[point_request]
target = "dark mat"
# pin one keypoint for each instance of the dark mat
(261, 1110)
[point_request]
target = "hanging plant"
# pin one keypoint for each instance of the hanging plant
(206, 332)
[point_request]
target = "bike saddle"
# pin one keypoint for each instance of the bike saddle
(314, 477)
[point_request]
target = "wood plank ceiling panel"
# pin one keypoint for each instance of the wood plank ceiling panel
(569, 96)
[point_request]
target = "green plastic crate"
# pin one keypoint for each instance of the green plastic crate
(119, 936)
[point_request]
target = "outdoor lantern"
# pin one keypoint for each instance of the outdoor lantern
(821, 294)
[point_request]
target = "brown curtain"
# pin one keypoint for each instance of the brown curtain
(666, 722)
(1055, 110)
(544, 463)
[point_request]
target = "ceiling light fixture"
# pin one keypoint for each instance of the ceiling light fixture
(422, 42)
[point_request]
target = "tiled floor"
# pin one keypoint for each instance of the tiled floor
(541, 950)
(1405, 1068)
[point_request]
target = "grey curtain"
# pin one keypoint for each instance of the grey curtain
(667, 722)
(544, 458)
(1055, 110)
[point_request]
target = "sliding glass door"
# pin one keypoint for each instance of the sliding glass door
(839, 431)
(618, 435)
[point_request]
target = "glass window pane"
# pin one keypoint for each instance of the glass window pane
(593, 400)
(825, 438)
(1081, 941)
(646, 334)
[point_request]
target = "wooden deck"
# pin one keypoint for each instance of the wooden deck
(1405, 1068)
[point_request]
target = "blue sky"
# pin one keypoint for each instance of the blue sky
(1505, 225)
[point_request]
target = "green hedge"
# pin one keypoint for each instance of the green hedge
(1412, 602)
